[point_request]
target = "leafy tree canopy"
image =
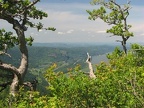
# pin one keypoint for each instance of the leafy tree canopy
(113, 14)
(20, 14)
(24, 12)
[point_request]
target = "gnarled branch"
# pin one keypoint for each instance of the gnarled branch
(91, 73)
(32, 85)
(10, 68)
(4, 53)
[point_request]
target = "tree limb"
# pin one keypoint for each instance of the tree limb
(4, 53)
(8, 67)
(32, 85)
(91, 73)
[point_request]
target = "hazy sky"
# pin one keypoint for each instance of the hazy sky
(70, 19)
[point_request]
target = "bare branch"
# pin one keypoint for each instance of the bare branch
(3, 53)
(32, 85)
(10, 68)
(91, 73)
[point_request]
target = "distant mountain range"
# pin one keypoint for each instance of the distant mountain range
(70, 45)
(67, 45)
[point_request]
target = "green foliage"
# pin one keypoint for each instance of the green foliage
(112, 13)
(67, 88)
(22, 7)
(29, 40)
(28, 99)
(37, 14)
(20, 14)
(24, 11)
(138, 51)
(118, 30)
(10, 40)
(119, 84)
(7, 38)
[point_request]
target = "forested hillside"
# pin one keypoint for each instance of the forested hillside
(66, 57)
(40, 58)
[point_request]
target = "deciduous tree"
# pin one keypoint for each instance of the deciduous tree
(20, 14)
(113, 14)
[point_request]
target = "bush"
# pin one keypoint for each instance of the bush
(118, 84)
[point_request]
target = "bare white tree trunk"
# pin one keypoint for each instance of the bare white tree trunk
(91, 73)
(14, 85)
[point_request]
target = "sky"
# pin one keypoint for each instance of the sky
(70, 19)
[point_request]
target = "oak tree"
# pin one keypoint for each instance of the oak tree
(20, 14)
(116, 15)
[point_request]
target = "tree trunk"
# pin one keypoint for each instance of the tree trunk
(124, 47)
(18, 19)
(18, 80)
(123, 42)
(91, 73)
(14, 87)
(19, 73)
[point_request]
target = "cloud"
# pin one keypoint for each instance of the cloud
(71, 18)
(69, 31)
(71, 21)
(83, 30)
(101, 31)
(60, 33)
(40, 30)
(142, 34)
